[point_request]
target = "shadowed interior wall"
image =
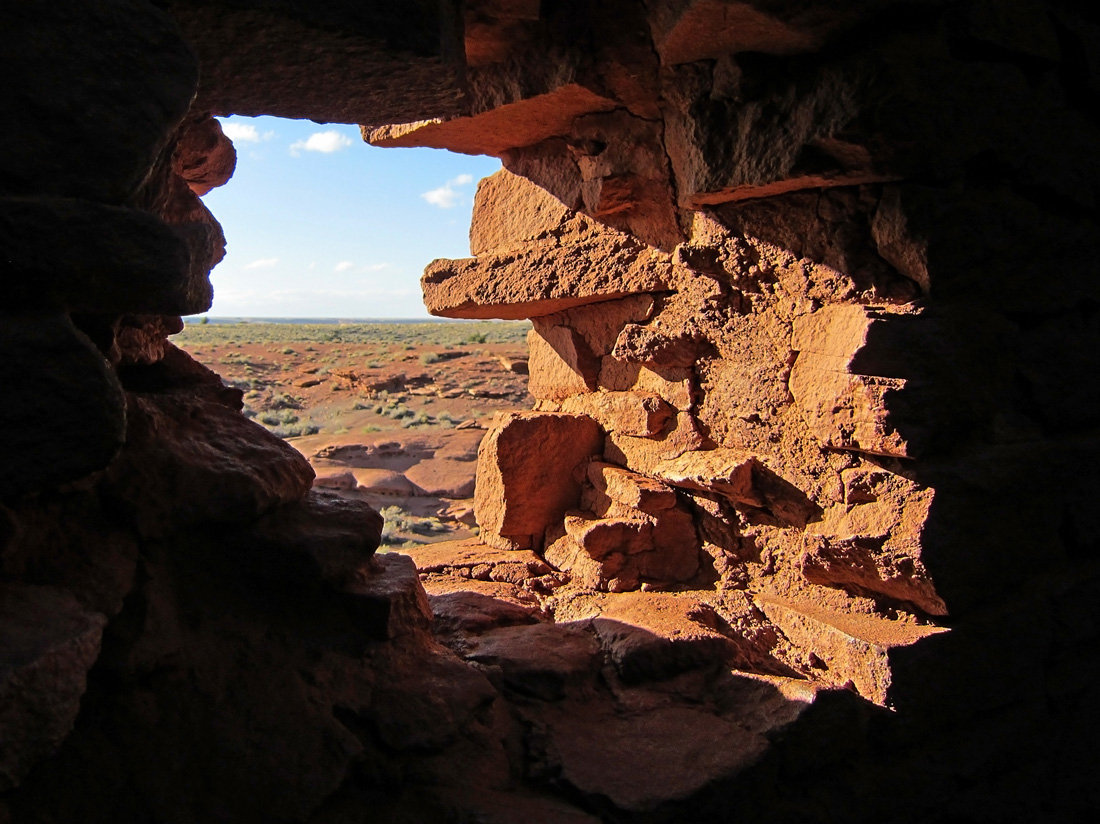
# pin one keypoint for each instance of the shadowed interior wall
(798, 526)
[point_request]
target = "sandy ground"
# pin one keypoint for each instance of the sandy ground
(395, 421)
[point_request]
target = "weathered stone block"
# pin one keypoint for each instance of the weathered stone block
(510, 211)
(545, 277)
(48, 642)
(92, 92)
(525, 473)
(729, 472)
(844, 410)
(87, 257)
(631, 489)
(560, 363)
(639, 414)
(340, 62)
(189, 460)
(67, 416)
(854, 648)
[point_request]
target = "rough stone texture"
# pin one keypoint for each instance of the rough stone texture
(546, 276)
(204, 156)
(216, 466)
(639, 414)
(83, 133)
(473, 559)
(340, 60)
(560, 362)
(853, 649)
(68, 418)
(845, 410)
(325, 536)
(525, 474)
(509, 211)
(105, 258)
(49, 644)
(497, 130)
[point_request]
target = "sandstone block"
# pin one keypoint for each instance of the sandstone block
(545, 277)
(638, 414)
(322, 537)
(88, 257)
(652, 635)
(142, 340)
(673, 384)
(388, 598)
(341, 63)
(599, 324)
(560, 363)
(494, 132)
(844, 410)
(189, 460)
(872, 543)
(473, 559)
(204, 156)
(87, 114)
(729, 472)
(67, 417)
(466, 606)
(643, 760)
(646, 455)
(631, 489)
(510, 211)
(525, 473)
(539, 660)
(48, 642)
(600, 537)
(685, 32)
(854, 648)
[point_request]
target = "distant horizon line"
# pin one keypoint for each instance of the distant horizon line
(198, 319)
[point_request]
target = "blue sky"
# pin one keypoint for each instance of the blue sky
(319, 224)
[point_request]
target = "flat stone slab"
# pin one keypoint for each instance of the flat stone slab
(538, 660)
(473, 559)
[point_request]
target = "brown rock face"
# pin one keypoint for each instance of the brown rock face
(216, 466)
(49, 644)
(509, 212)
(526, 474)
(546, 276)
(70, 420)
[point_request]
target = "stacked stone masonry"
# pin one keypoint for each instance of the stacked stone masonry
(805, 501)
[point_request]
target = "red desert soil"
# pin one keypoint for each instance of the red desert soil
(387, 413)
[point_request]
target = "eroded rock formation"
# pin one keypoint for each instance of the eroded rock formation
(804, 504)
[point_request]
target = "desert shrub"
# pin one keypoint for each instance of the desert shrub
(429, 357)
(476, 337)
(278, 418)
(396, 521)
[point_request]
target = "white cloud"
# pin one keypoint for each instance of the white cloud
(325, 142)
(262, 263)
(343, 266)
(445, 197)
(241, 132)
(244, 133)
